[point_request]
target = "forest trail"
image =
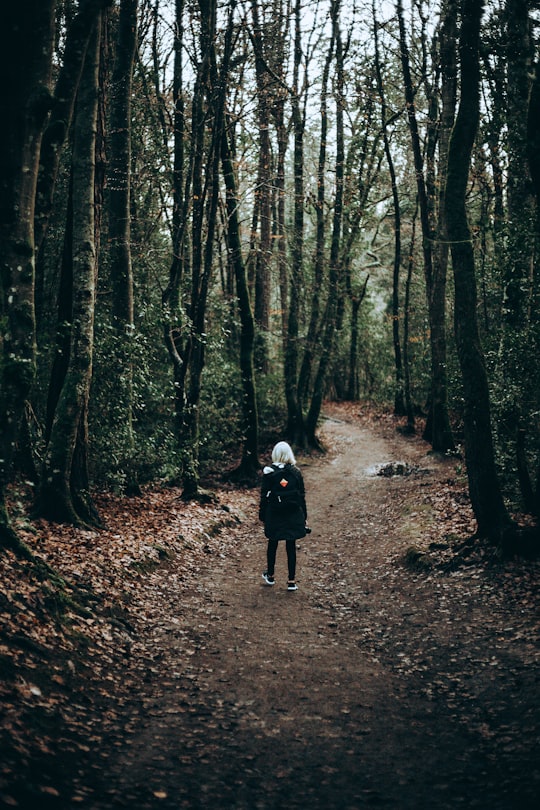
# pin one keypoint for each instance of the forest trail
(371, 686)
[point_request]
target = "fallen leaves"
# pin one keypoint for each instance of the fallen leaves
(67, 631)
(87, 644)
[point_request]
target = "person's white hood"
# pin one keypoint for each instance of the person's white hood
(268, 470)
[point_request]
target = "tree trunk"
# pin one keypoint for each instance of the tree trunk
(120, 237)
(353, 385)
(65, 92)
(489, 509)
(250, 465)
(306, 370)
(519, 369)
(263, 193)
(207, 166)
(328, 338)
(399, 401)
(441, 434)
(63, 494)
(520, 212)
(409, 405)
(173, 318)
(295, 430)
(533, 150)
(64, 321)
(26, 43)
(440, 431)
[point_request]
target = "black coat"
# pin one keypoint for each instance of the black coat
(292, 526)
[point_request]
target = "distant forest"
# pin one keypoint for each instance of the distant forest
(216, 214)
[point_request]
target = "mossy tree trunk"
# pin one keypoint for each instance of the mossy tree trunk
(519, 362)
(64, 490)
(59, 122)
(26, 44)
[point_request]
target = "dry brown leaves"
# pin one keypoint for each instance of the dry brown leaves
(67, 628)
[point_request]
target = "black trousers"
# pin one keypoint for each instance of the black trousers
(291, 557)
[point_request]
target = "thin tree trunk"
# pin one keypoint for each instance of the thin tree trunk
(353, 386)
(399, 402)
(205, 213)
(193, 358)
(306, 370)
(123, 317)
(295, 430)
(409, 405)
(263, 193)
(250, 464)
(173, 327)
(328, 338)
(361, 170)
(486, 498)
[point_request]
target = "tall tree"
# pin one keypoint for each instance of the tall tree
(533, 150)
(399, 399)
(64, 488)
(440, 433)
(263, 196)
(119, 219)
(309, 355)
(195, 215)
(78, 34)
(441, 121)
(484, 488)
(174, 328)
(250, 464)
(26, 45)
(519, 367)
(295, 429)
(206, 154)
(334, 273)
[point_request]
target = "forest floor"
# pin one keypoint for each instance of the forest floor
(402, 674)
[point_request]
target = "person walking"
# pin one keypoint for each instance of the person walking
(283, 510)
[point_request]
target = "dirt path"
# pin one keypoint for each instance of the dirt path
(371, 686)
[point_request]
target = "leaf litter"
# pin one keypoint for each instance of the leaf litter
(128, 676)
